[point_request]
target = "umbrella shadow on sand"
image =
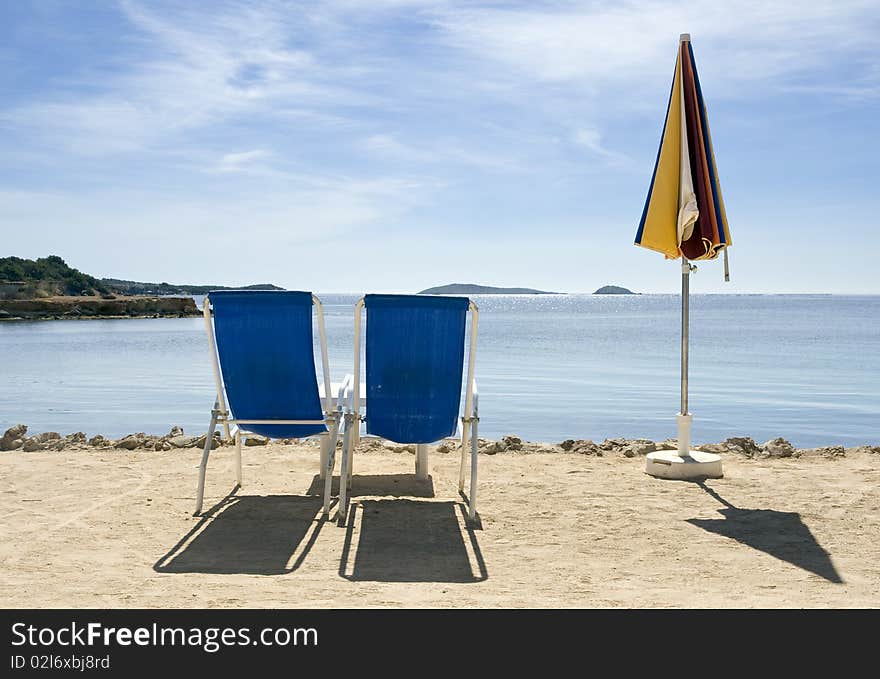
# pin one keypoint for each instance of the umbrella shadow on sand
(782, 535)
(411, 541)
(251, 534)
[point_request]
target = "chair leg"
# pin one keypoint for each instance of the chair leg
(352, 442)
(238, 457)
(464, 446)
(203, 466)
(344, 471)
(472, 496)
(328, 461)
(421, 461)
(325, 456)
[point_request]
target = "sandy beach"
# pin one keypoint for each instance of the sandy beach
(112, 528)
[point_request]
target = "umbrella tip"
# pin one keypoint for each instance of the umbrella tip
(684, 37)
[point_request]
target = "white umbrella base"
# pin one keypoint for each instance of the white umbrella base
(669, 464)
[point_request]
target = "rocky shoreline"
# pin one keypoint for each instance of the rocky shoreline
(16, 439)
(119, 306)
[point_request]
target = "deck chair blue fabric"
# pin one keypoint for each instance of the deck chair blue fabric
(264, 368)
(415, 351)
(414, 359)
(264, 342)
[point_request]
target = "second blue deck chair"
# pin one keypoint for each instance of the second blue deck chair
(261, 345)
(415, 350)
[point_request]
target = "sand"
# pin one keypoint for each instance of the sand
(113, 528)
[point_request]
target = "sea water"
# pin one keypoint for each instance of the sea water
(549, 368)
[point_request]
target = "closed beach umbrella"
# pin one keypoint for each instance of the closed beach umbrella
(684, 218)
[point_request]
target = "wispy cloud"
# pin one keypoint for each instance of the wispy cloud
(591, 139)
(450, 152)
(613, 43)
(193, 69)
(242, 161)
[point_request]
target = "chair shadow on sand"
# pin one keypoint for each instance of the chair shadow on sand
(411, 541)
(250, 534)
(782, 535)
(392, 485)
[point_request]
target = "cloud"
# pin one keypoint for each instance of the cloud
(612, 44)
(242, 161)
(444, 152)
(281, 215)
(591, 139)
(191, 70)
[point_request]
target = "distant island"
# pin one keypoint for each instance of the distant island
(47, 288)
(137, 288)
(471, 289)
(614, 290)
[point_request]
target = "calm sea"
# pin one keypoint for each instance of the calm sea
(548, 368)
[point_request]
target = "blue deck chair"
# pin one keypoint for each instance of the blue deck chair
(414, 362)
(261, 345)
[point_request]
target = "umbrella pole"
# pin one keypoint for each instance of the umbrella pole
(684, 463)
(685, 312)
(684, 418)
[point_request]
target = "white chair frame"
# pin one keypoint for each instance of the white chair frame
(352, 419)
(220, 414)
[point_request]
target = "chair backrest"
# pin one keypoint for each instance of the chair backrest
(414, 361)
(266, 358)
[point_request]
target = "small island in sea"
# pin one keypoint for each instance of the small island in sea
(47, 288)
(614, 290)
(472, 289)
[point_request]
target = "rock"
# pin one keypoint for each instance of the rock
(777, 447)
(717, 448)
(742, 446)
(32, 444)
(99, 441)
(77, 437)
(493, 447)
(175, 431)
(399, 447)
(825, 451)
(639, 447)
(587, 447)
(129, 442)
(870, 450)
(181, 441)
(149, 441)
(581, 446)
(16, 432)
(443, 448)
(162, 444)
(199, 442)
(14, 437)
(251, 440)
(612, 444)
(668, 444)
(47, 436)
(512, 442)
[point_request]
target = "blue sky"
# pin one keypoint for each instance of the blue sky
(392, 145)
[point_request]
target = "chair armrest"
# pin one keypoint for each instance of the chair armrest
(346, 393)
